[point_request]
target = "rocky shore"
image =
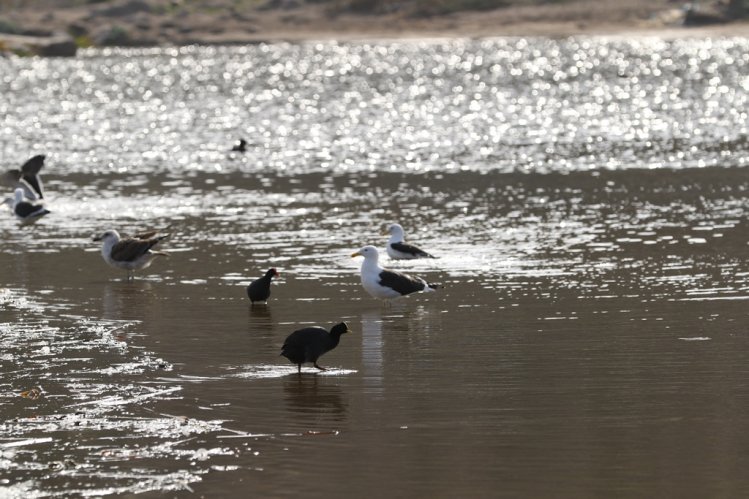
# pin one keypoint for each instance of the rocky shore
(57, 28)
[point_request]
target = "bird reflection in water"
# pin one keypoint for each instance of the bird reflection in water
(371, 332)
(259, 318)
(126, 300)
(313, 396)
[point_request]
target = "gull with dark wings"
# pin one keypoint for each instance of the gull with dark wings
(26, 210)
(397, 247)
(387, 284)
(130, 253)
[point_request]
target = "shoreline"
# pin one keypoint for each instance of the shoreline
(70, 29)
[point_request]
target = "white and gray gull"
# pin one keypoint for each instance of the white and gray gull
(387, 284)
(397, 247)
(26, 210)
(130, 253)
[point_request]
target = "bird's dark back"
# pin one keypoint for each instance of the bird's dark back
(306, 345)
(259, 289)
(25, 209)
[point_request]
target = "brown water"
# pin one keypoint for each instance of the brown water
(590, 339)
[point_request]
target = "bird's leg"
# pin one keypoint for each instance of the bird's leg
(299, 369)
(320, 368)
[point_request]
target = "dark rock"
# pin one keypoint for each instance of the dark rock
(36, 32)
(112, 36)
(700, 17)
(76, 29)
(119, 36)
(60, 48)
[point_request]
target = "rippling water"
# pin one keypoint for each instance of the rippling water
(586, 199)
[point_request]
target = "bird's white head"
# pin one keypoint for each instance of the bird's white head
(395, 231)
(107, 236)
(18, 195)
(368, 252)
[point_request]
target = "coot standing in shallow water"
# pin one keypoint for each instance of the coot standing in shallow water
(259, 289)
(308, 344)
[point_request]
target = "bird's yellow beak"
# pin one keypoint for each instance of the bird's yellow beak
(384, 232)
(355, 254)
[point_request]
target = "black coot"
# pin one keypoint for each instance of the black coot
(241, 146)
(308, 344)
(259, 289)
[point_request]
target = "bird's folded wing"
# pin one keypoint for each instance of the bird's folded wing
(408, 249)
(128, 250)
(402, 283)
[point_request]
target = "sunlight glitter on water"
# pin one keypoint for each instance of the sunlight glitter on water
(585, 198)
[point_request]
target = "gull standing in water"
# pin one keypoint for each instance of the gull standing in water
(397, 247)
(129, 253)
(387, 284)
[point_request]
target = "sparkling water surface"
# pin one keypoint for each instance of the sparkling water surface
(586, 199)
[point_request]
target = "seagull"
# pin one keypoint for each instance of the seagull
(26, 210)
(129, 253)
(387, 284)
(397, 247)
(308, 344)
(259, 289)
(27, 178)
(241, 146)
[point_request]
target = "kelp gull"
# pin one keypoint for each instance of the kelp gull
(387, 284)
(397, 247)
(129, 253)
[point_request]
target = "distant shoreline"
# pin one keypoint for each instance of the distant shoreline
(150, 27)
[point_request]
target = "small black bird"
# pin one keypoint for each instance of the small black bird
(308, 344)
(241, 147)
(259, 289)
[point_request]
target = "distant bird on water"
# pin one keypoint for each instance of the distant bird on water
(241, 146)
(130, 253)
(26, 210)
(308, 344)
(397, 247)
(259, 289)
(387, 284)
(27, 178)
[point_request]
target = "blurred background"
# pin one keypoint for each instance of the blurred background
(183, 22)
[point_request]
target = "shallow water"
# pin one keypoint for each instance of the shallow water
(586, 199)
